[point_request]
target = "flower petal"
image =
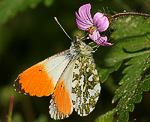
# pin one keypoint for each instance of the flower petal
(81, 24)
(83, 17)
(102, 40)
(101, 22)
(94, 36)
(98, 39)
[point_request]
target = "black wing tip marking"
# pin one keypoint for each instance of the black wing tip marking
(18, 86)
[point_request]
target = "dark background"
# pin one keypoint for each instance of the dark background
(33, 35)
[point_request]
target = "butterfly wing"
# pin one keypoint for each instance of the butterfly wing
(41, 79)
(86, 86)
(61, 103)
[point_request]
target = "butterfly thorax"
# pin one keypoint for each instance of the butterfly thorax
(80, 47)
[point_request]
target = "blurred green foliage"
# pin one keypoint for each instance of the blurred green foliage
(29, 34)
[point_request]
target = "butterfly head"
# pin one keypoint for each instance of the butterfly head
(79, 46)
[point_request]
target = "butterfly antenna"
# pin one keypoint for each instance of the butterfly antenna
(62, 27)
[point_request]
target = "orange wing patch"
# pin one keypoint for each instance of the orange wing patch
(61, 103)
(35, 81)
(62, 98)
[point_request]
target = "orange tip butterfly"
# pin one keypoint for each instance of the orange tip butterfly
(70, 77)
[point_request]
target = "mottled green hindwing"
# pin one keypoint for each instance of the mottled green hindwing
(85, 86)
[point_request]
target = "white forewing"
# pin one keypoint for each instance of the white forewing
(56, 65)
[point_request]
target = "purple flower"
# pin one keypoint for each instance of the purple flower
(99, 23)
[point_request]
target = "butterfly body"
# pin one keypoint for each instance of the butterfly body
(70, 77)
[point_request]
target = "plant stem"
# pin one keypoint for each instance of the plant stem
(130, 13)
(11, 104)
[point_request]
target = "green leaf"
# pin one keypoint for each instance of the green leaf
(107, 117)
(105, 72)
(130, 38)
(131, 48)
(133, 84)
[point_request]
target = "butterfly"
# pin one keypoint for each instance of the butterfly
(70, 77)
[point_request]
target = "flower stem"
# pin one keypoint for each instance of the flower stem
(129, 13)
(11, 104)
